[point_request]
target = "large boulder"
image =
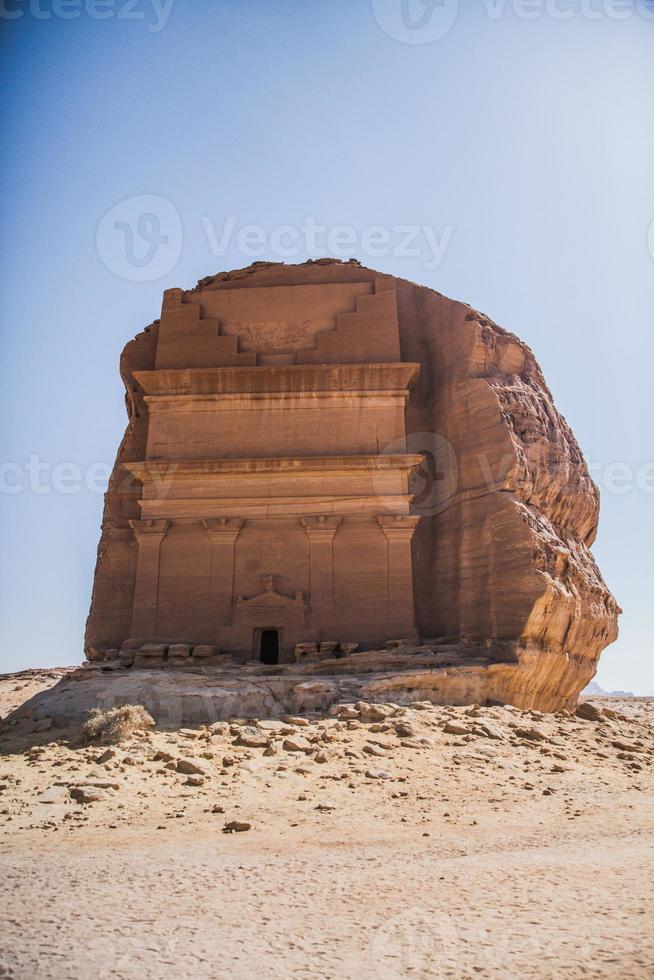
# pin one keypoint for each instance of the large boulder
(504, 581)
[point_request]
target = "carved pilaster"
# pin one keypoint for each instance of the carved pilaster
(149, 535)
(321, 531)
(398, 530)
(222, 532)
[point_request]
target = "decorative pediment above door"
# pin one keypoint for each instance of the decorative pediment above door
(270, 598)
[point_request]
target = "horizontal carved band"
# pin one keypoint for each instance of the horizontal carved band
(291, 378)
(154, 469)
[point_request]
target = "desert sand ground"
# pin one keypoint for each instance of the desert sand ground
(417, 842)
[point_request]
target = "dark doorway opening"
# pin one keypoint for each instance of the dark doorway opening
(269, 648)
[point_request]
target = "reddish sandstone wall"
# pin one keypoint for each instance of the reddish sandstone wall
(110, 615)
(504, 563)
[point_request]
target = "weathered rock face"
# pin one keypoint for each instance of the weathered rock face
(320, 453)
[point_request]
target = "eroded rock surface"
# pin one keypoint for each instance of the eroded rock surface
(502, 511)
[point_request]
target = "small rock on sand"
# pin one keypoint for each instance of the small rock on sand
(589, 712)
(87, 794)
(252, 739)
(455, 728)
(295, 743)
(190, 768)
(236, 827)
(55, 794)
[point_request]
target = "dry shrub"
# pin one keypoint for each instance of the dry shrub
(117, 724)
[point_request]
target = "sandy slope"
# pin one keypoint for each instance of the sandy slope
(521, 851)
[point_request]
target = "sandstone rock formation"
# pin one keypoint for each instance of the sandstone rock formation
(321, 455)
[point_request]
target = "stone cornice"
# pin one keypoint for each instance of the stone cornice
(284, 400)
(393, 376)
(155, 469)
(201, 508)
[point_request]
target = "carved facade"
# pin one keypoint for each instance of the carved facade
(280, 419)
(267, 410)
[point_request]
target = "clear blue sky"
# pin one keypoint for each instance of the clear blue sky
(522, 138)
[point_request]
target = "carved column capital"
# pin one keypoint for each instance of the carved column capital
(225, 529)
(322, 527)
(398, 526)
(150, 531)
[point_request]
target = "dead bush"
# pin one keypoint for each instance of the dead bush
(117, 724)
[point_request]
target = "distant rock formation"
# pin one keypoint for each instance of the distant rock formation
(324, 457)
(594, 690)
